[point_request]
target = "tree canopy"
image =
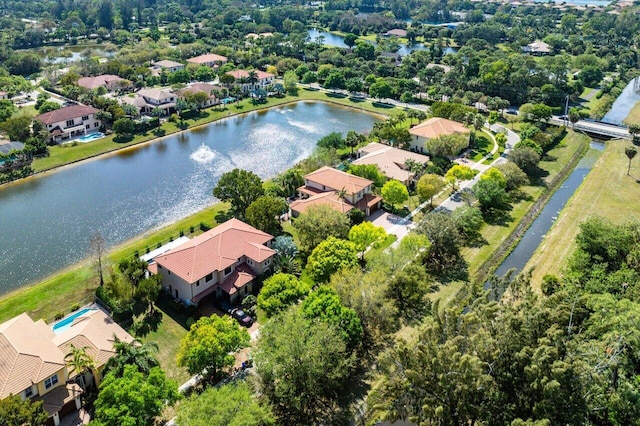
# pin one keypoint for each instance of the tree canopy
(330, 256)
(318, 223)
(240, 188)
(279, 292)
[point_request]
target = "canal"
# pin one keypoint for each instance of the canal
(519, 257)
(46, 221)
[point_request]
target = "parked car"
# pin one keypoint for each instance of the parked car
(242, 317)
(225, 306)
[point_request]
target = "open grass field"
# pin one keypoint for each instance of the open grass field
(495, 234)
(70, 153)
(634, 115)
(606, 191)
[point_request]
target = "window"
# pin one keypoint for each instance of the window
(227, 271)
(209, 277)
(51, 381)
(168, 272)
(69, 122)
(85, 117)
(96, 124)
(87, 126)
(250, 262)
(198, 283)
(28, 392)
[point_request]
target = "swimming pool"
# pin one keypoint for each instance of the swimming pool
(228, 100)
(91, 137)
(65, 324)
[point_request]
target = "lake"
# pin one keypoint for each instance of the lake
(338, 41)
(46, 220)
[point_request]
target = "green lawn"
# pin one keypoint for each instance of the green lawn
(77, 284)
(634, 115)
(607, 191)
(69, 153)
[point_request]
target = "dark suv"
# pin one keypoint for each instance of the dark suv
(242, 317)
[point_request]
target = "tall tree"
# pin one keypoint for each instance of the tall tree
(365, 234)
(98, 248)
(630, 152)
(208, 345)
(228, 405)
(80, 362)
(318, 223)
(132, 353)
(240, 188)
(330, 256)
(394, 192)
(16, 411)
(135, 398)
(279, 292)
(264, 214)
(428, 186)
(301, 367)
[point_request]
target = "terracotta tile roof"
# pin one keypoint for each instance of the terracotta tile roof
(201, 87)
(330, 199)
(369, 200)
(95, 331)
(209, 57)
(98, 81)
(334, 179)
(389, 160)
(238, 74)
(396, 32)
(27, 354)
(437, 126)
(157, 94)
(240, 277)
(66, 113)
(216, 250)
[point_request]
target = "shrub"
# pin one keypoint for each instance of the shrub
(75, 307)
(59, 315)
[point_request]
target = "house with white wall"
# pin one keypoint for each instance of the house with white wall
(68, 122)
(222, 262)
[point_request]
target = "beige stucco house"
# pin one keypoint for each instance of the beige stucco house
(433, 128)
(32, 358)
(209, 60)
(222, 262)
(392, 162)
(325, 185)
(264, 79)
(108, 81)
(71, 121)
(145, 100)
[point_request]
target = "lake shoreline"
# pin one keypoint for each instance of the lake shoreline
(143, 143)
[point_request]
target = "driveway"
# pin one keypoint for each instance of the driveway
(391, 223)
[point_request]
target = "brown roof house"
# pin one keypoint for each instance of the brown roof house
(209, 60)
(222, 262)
(336, 189)
(392, 162)
(108, 81)
(32, 358)
(145, 100)
(433, 128)
(69, 122)
(209, 89)
(538, 47)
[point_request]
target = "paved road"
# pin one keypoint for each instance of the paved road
(595, 127)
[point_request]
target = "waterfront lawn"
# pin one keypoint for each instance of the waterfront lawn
(77, 284)
(606, 191)
(69, 153)
(495, 234)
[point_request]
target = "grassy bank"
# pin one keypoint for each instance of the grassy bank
(77, 284)
(70, 153)
(634, 115)
(606, 191)
(497, 233)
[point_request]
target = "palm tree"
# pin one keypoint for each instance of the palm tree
(354, 139)
(79, 361)
(132, 353)
(252, 78)
(630, 152)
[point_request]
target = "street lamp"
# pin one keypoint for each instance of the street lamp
(566, 110)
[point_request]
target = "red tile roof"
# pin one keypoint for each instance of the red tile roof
(336, 180)
(436, 126)
(209, 57)
(330, 199)
(216, 250)
(67, 113)
(238, 74)
(98, 81)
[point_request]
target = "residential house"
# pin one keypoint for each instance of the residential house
(145, 100)
(207, 88)
(32, 358)
(223, 262)
(339, 190)
(18, 156)
(392, 162)
(3, 95)
(396, 32)
(166, 65)
(71, 121)
(538, 47)
(242, 77)
(108, 81)
(434, 128)
(210, 60)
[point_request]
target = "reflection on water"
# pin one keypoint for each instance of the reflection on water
(45, 222)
